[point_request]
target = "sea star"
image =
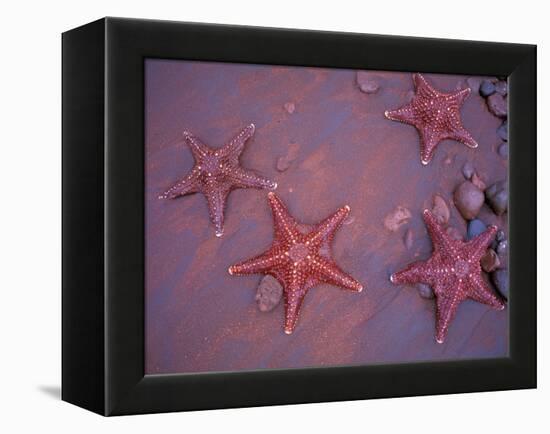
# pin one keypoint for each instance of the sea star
(453, 271)
(299, 259)
(216, 173)
(435, 115)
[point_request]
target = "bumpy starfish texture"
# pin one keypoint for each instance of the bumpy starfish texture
(299, 259)
(435, 115)
(453, 271)
(216, 173)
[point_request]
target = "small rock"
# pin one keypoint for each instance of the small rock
(502, 251)
(468, 199)
(476, 180)
(468, 170)
(366, 82)
(474, 83)
(454, 233)
(283, 163)
(502, 131)
(498, 105)
(269, 293)
(397, 218)
(424, 290)
(408, 239)
(490, 261)
(501, 87)
(487, 88)
(503, 150)
(500, 236)
(441, 210)
(497, 197)
(290, 107)
(475, 227)
(500, 279)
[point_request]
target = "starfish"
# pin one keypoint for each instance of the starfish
(216, 173)
(299, 259)
(435, 115)
(453, 271)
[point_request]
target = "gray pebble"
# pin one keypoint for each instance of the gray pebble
(497, 197)
(424, 290)
(269, 293)
(503, 150)
(475, 227)
(502, 131)
(468, 170)
(487, 88)
(468, 199)
(501, 88)
(500, 279)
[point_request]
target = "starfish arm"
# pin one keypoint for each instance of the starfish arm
(260, 264)
(325, 230)
(416, 272)
(440, 240)
(423, 88)
(242, 178)
(445, 310)
(482, 293)
(461, 135)
(217, 198)
(294, 297)
(478, 246)
(330, 273)
(429, 139)
(187, 185)
(461, 96)
(198, 148)
(285, 225)
(234, 148)
(404, 114)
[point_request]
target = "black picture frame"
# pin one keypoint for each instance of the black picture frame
(103, 215)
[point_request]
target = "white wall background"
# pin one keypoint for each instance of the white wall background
(30, 183)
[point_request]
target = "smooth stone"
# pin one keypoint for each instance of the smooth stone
(269, 293)
(498, 105)
(468, 170)
(283, 163)
(425, 291)
(475, 227)
(487, 88)
(500, 235)
(500, 279)
(476, 180)
(468, 199)
(474, 83)
(501, 87)
(397, 218)
(502, 131)
(497, 197)
(441, 210)
(490, 261)
(503, 150)
(408, 239)
(366, 82)
(502, 251)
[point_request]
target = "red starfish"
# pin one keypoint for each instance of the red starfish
(216, 173)
(453, 271)
(435, 115)
(299, 260)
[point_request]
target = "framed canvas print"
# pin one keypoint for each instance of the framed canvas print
(260, 216)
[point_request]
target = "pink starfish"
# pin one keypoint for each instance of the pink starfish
(216, 173)
(453, 271)
(298, 260)
(435, 115)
